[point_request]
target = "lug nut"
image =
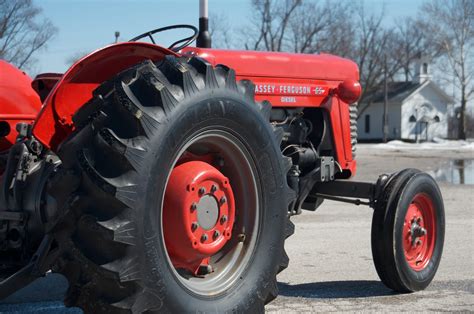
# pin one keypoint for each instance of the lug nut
(204, 238)
(202, 190)
(213, 188)
(418, 242)
(223, 200)
(194, 226)
(241, 237)
(223, 219)
(216, 234)
(193, 206)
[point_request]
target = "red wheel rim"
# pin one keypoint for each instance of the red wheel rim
(419, 232)
(199, 211)
(213, 183)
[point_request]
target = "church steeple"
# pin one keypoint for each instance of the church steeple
(422, 69)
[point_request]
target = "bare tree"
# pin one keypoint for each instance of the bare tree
(305, 31)
(371, 48)
(449, 27)
(375, 52)
(272, 19)
(410, 43)
(301, 26)
(317, 26)
(22, 31)
(220, 30)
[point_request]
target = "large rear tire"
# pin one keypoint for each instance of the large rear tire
(140, 127)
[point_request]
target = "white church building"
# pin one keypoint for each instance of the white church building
(417, 110)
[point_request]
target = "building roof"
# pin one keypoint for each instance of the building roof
(398, 92)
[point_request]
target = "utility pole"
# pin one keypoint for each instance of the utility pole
(117, 34)
(385, 101)
(416, 125)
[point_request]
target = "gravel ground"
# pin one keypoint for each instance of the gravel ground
(331, 265)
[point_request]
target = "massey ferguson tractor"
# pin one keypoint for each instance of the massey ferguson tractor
(164, 179)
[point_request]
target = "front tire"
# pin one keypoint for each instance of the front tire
(152, 120)
(408, 231)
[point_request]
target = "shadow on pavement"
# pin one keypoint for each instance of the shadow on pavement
(41, 296)
(49, 288)
(335, 289)
(48, 307)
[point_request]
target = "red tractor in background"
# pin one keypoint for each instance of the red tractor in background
(164, 179)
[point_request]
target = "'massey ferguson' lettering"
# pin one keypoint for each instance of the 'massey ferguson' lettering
(264, 89)
(292, 89)
(278, 89)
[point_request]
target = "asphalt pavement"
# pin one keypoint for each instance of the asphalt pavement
(331, 268)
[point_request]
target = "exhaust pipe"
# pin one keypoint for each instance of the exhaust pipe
(204, 37)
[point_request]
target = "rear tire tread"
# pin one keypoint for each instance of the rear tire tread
(169, 81)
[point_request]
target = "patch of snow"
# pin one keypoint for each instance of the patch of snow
(437, 144)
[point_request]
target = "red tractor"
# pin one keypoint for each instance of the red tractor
(164, 179)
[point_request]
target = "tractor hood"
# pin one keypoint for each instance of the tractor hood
(281, 65)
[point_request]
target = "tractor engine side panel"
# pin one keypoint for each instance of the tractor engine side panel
(297, 81)
(54, 122)
(289, 93)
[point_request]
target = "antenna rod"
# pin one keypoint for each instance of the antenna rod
(204, 37)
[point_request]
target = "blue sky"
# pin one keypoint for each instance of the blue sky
(85, 25)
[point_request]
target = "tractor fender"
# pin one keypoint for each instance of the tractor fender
(18, 102)
(54, 122)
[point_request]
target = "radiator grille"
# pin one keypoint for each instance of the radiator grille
(353, 116)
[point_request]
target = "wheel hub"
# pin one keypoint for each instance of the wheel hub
(198, 214)
(207, 212)
(419, 232)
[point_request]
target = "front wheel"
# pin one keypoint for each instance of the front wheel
(408, 231)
